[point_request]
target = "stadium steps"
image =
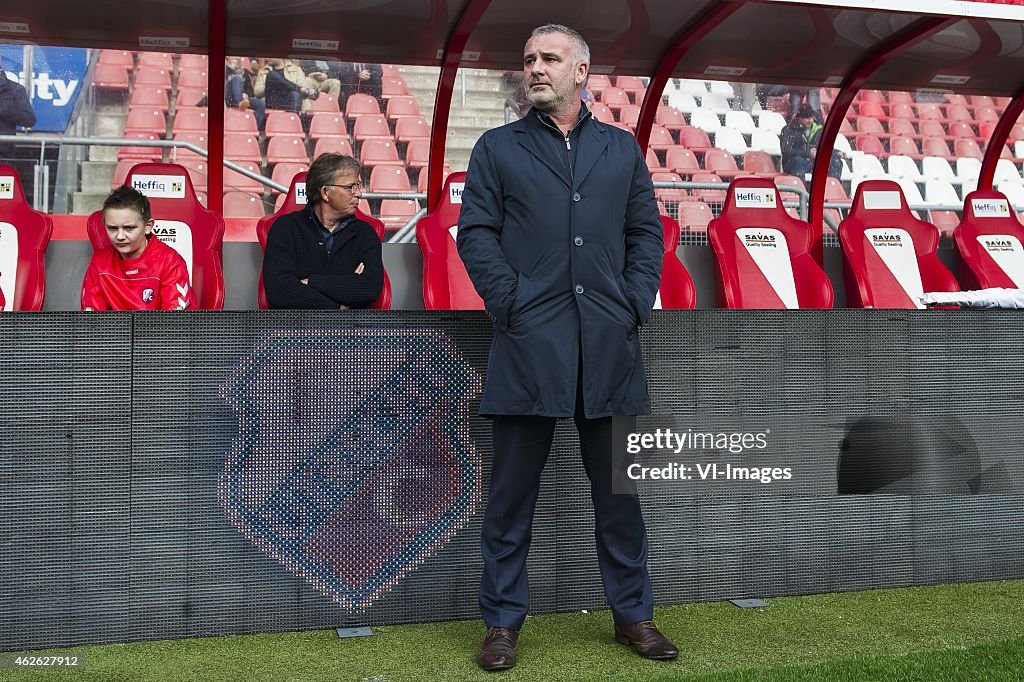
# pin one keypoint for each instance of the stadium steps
(484, 108)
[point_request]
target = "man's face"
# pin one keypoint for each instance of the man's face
(805, 122)
(341, 200)
(549, 73)
(127, 231)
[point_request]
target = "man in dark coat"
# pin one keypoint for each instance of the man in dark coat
(324, 256)
(560, 234)
(15, 110)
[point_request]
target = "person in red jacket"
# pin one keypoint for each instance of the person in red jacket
(139, 272)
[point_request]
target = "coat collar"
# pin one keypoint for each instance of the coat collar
(593, 139)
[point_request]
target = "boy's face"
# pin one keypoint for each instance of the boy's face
(127, 231)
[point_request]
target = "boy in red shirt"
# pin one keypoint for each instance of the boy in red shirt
(139, 272)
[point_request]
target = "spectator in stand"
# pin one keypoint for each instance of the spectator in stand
(796, 102)
(325, 75)
(324, 256)
(361, 77)
(799, 142)
(238, 90)
(139, 272)
(284, 85)
(15, 110)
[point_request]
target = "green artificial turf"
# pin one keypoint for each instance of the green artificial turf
(948, 632)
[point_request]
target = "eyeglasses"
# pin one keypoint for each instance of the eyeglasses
(354, 187)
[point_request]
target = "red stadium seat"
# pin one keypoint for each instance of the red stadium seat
(695, 139)
(333, 145)
(24, 236)
(242, 205)
(888, 254)
(945, 221)
(149, 121)
(676, 291)
(324, 104)
(929, 110)
(653, 162)
(869, 125)
(360, 104)
(191, 120)
(870, 144)
(709, 196)
(233, 180)
(667, 194)
(294, 200)
(417, 154)
(193, 137)
(379, 153)
(284, 172)
(902, 127)
(421, 181)
(370, 127)
(904, 146)
(402, 105)
(110, 77)
(661, 138)
(286, 150)
(990, 242)
(602, 113)
(957, 112)
(147, 75)
(121, 172)
(986, 114)
(762, 254)
(965, 147)
(197, 169)
(681, 160)
(900, 111)
(182, 223)
(157, 60)
(238, 121)
(670, 118)
(147, 97)
(325, 124)
(694, 216)
(188, 97)
(193, 78)
(597, 82)
(393, 87)
(283, 124)
(196, 62)
(411, 128)
(121, 58)
(446, 285)
(140, 153)
(395, 213)
(389, 179)
(614, 98)
(870, 109)
(721, 162)
(240, 147)
(759, 163)
(629, 114)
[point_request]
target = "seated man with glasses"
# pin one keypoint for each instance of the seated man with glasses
(324, 256)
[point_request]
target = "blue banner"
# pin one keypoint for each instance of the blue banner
(57, 77)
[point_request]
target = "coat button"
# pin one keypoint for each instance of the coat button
(579, 289)
(578, 241)
(576, 197)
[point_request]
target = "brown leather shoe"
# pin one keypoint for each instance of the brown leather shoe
(645, 638)
(499, 649)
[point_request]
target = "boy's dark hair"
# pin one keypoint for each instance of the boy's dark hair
(129, 197)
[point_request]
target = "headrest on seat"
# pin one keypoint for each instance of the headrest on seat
(24, 235)
(446, 284)
(889, 253)
(990, 241)
(762, 253)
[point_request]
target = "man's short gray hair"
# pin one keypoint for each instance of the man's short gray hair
(580, 49)
(322, 171)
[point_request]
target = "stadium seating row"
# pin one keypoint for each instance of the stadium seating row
(762, 251)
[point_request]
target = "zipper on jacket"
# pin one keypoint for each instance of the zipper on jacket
(568, 145)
